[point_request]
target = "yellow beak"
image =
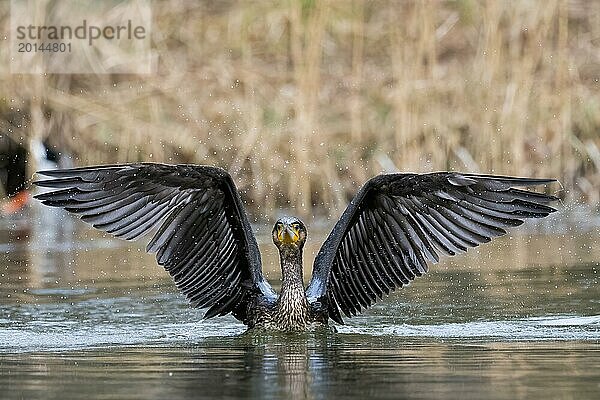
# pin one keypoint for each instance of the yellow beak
(288, 235)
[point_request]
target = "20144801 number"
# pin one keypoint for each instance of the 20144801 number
(27, 47)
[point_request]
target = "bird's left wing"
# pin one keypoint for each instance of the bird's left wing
(202, 234)
(398, 222)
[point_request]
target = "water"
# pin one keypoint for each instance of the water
(86, 316)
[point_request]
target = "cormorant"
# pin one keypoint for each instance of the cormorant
(13, 169)
(13, 164)
(391, 229)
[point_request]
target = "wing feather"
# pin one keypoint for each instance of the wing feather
(202, 236)
(398, 223)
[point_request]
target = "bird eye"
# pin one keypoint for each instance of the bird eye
(296, 226)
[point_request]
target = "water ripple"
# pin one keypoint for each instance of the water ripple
(58, 337)
(64, 335)
(538, 328)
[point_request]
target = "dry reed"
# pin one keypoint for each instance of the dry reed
(304, 100)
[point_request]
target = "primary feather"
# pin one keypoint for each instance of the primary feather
(202, 236)
(398, 223)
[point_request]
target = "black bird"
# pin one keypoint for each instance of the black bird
(391, 229)
(13, 169)
(13, 164)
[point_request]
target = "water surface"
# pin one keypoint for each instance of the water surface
(83, 315)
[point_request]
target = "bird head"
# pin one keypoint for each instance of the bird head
(289, 232)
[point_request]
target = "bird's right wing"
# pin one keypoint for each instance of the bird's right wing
(398, 222)
(203, 237)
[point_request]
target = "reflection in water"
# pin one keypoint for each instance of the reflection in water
(83, 315)
(291, 364)
(51, 231)
(319, 367)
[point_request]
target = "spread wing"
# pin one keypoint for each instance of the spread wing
(397, 223)
(202, 234)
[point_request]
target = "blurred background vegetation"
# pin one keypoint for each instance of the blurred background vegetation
(302, 101)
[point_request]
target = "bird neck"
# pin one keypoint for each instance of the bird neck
(292, 305)
(291, 269)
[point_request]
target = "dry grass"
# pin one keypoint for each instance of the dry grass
(303, 101)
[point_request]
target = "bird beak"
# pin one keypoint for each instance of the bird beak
(288, 235)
